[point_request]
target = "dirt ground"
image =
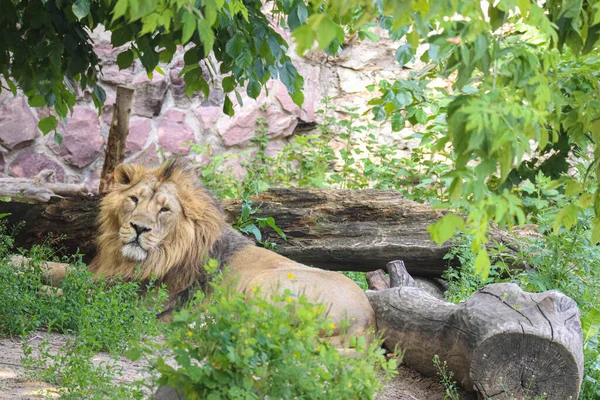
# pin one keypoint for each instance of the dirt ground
(407, 385)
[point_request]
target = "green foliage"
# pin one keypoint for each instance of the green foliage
(446, 379)
(228, 347)
(107, 315)
(102, 315)
(561, 259)
(519, 106)
(76, 374)
(46, 50)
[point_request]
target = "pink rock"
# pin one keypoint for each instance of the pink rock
(139, 131)
(29, 163)
(174, 135)
(280, 123)
(240, 128)
(115, 76)
(175, 116)
(284, 99)
(149, 157)
(107, 53)
(18, 125)
(313, 92)
(82, 141)
(273, 148)
(208, 116)
(149, 95)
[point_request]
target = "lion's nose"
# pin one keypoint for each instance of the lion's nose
(139, 229)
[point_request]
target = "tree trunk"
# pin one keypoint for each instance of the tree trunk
(334, 229)
(502, 342)
(117, 137)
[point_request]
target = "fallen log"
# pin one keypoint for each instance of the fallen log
(334, 229)
(40, 189)
(502, 341)
(398, 276)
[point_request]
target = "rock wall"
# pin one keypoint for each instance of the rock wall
(165, 121)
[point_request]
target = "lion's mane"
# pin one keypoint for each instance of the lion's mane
(201, 231)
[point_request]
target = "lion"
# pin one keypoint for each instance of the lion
(161, 224)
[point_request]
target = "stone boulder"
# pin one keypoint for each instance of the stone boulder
(139, 132)
(28, 164)
(149, 95)
(18, 125)
(82, 141)
(174, 134)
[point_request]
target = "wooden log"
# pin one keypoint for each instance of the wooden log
(378, 280)
(501, 342)
(40, 189)
(341, 230)
(399, 276)
(117, 137)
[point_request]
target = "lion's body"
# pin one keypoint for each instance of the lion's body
(162, 224)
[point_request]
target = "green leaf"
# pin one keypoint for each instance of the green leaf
(445, 228)
(228, 106)
(206, 35)
(37, 101)
(404, 54)
(125, 59)
(482, 263)
(189, 27)
(120, 9)
(47, 124)
(496, 17)
(378, 113)
(58, 138)
(398, 121)
(590, 324)
(573, 188)
(326, 30)
(253, 88)
(567, 217)
(81, 8)
(304, 38)
(596, 231)
(253, 230)
(235, 46)
(4, 215)
(228, 84)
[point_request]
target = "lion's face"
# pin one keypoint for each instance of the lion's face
(156, 218)
(149, 214)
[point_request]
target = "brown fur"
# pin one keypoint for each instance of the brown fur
(174, 245)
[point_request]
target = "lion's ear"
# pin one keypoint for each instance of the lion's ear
(126, 174)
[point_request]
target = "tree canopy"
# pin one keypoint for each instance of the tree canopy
(524, 99)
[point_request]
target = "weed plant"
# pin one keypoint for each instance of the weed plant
(227, 346)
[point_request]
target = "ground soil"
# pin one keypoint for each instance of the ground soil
(14, 384)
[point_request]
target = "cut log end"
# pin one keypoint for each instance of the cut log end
(524, 366)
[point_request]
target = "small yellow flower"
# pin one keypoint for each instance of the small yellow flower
(246, 341)
(288, 299)
(318, 310)
(291, 276)
(268, 335)
(190, 333)
(254, 289)
(349, 384)
(331, 326)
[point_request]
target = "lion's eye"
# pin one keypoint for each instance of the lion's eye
(134, 199)
(165, 209)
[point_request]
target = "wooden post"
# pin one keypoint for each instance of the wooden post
(117, 137)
